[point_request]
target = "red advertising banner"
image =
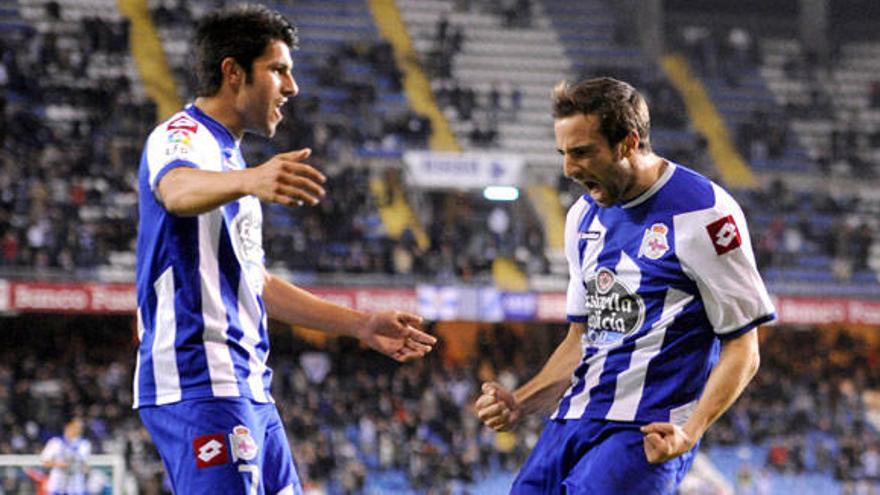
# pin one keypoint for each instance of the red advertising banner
(551, 307)
(370, 299)
(96, 298)
(39, 297)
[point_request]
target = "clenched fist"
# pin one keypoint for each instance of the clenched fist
(496, 407)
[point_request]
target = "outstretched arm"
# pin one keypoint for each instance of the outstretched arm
(500, 409)
(393, 333)
(284, 179)
(736, 366)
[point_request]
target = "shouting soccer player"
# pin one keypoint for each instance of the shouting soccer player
(664, 300)
(204, 295)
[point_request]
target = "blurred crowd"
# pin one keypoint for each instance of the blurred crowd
(357, 419)
(68, 106)
(809, 406)
(349, 412)
(822, 234)
(835, 235)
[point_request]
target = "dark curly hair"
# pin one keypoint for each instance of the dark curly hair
(242, 32)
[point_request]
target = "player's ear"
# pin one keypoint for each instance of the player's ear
(233, 73)
(629, 144)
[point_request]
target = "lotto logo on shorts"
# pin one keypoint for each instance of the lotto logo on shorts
(210, 450)
(724, 234)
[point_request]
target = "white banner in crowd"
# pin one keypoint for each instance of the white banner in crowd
(462, 170)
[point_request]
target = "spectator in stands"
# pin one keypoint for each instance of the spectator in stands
(874, 94)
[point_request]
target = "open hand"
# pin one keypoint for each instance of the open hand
(396, 334)
(285, 180)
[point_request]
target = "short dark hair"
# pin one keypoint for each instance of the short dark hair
(242, 32)
(620, 108)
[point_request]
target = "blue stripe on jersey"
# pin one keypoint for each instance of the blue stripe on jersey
(579, 373)
(681, 339)
(263, 349)
(147, 298)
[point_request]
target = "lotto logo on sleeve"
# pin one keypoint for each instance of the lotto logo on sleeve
(210, 450)
(724, 234)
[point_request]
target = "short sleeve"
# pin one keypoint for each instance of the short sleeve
(179, 142)
(576, 294)
(51, 450)
(715, 250)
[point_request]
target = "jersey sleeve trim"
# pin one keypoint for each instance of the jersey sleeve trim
(167, 168)
(748, 327)
(577, 318)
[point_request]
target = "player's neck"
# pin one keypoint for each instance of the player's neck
(648, 170)
(218, 108)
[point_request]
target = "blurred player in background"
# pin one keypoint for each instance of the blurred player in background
(67, 458)
(204, 295)
(664, 300)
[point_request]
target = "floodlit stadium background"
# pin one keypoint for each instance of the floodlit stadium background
(431, 118)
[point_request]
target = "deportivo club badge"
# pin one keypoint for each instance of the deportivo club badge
(654, 242)
(604, 281)
(243, 445)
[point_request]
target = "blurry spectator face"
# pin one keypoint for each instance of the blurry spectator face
(588, 159)
(260, 97)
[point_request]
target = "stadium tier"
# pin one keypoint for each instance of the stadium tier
(413, 108)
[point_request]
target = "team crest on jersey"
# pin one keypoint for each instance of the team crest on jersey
(613, 309)
(724, 234)
(654, 242)
(210, 450)
(243, 445)
(183, 123)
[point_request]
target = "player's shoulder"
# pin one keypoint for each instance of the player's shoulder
(181, 136)
(54, 443)
(689, 191)
(179, 124)
(578, 210)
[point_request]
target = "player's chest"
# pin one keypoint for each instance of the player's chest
(626, 256)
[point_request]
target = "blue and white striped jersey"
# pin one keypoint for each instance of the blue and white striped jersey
(657, 282)
(201, 318)
(75, 453)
